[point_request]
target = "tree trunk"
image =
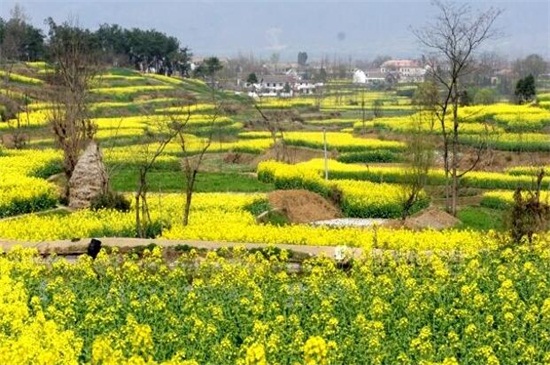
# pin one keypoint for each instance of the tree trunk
(188, 197)
(139, 233)
(454, 148)
(447, 170)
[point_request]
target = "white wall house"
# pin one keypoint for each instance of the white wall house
(371, 77)
(359, 77)
(281, 85)
(407, 70)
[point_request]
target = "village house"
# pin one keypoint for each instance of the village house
(404, 70)
(370, 77)
(286, 85)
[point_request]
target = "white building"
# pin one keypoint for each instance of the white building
(406, 70)
(371, 77)
(282, 85)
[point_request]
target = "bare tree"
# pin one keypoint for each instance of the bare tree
(272, 121)
(76, 63)
(454, 37)
(363, 110)
(11, 51)
(192, 161)
(153, 143)
(420, 156)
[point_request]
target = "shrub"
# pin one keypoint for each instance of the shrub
(335, 195)
(111, 200)
(528, 214)
(383, 156)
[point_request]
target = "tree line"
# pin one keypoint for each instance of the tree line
(145, 50)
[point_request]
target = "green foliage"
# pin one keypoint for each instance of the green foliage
(377, 156)
(480, 218)
(252, 78)
(49, 169)
(171, 180)
(111, 200)
(154, 228)
(485, 96)
(409, 92)
(528, 215)
(426, 96)
(377, 108)
(257, 207)
(31, 205)
(276, 218)
(525, 90)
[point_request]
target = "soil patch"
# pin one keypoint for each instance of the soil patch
(239, 158)
(302, 206)
(432, 218)
(293, 155)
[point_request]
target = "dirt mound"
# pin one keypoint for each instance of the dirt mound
(432, 218)
(302, 206)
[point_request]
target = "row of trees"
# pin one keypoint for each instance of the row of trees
(143, 49)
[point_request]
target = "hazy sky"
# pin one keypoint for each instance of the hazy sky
(360, 29)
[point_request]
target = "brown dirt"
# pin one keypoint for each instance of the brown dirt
(293, 155)
(302, 206)
(239, 158)
(432, 217)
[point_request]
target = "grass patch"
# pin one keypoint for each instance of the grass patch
(481, 219)
(172, 181)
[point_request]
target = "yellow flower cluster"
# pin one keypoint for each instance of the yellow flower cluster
(125, 91)
(511, 117)
(200, 107)
(33, 118)
(523, 142)
(363, 199)
(234, 224)
(499, 199)
(127, 104)
(14, 77)
(526, 170)
(165, 79)
(394, 174)
(426, 123)
(343, 142)
(488, 307)
(20, 192)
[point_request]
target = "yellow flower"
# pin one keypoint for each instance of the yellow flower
(315, 351)
(255, 355)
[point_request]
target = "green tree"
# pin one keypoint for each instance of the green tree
(302, 58)
(20, 41)
(525, 90)
(252, 78)
(485, 96)
(208, 69)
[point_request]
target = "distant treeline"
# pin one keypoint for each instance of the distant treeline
(143, 49)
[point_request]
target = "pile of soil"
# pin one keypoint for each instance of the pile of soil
(433, 218)
(302, 206)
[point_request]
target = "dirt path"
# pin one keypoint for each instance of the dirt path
(67, 246)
